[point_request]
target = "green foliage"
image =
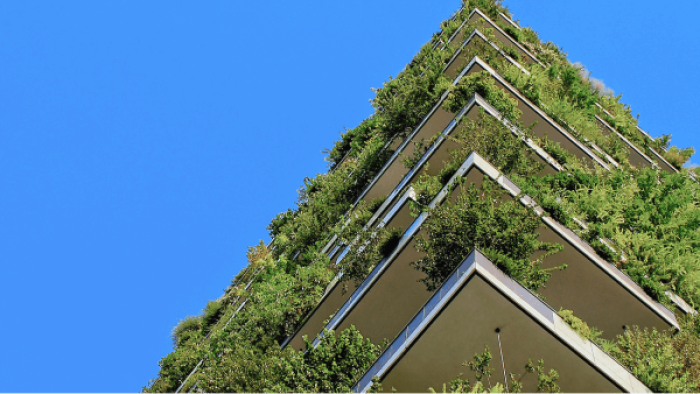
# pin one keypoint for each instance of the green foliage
(193, 329)
(559, 90)
(554, 149)
(187, 329)
(546, 381)
(213, 311)
(579, 325)
(623, 121)
(568, 94)
(351, 142)
(483, 84)
(175, 367)
(276, 304)
(367, 246)
(486, 50)
(426, 188)
(374, 205)
(561, 93)
(348, 231)
(515, 33)
(352, 230)
(650, 215)
(481, 366)
(495, 142)
(677, 156)
(389, 242)
(367, 251)
(489, 7)
(484, 218)
(664, 362)
(258, 256)
(691, 324)
(571, 87)
(401, 103)
(323, 203)
(333, 366)
(512, 52)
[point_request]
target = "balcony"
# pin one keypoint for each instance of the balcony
(398, 217)
(637, 158)
(661, 162)
(505, 19)
(397, 210)
(334, 296)
(481, 21)
(459, 60)
(462, 317)
(436, 121)
(596, 291)
(545, 126)
(441, 150)
(439, 119)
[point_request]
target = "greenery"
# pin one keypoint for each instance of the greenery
(483, 84)
(488, 219)
(494, 142)
(579, 325)
(212, 314)
(333, 366)
(664, 362)
(554, 149)
(563, 96)
(481, 366)
(652, 217)
(366, 251)
(275, 304)
(582, 92)
(645, 221)
(187, 329)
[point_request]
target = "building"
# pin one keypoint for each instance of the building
(501, 111)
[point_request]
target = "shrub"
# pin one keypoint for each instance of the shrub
(187, 328)
(481, 366)
(484, 218)
(212, 313)
(664, 362)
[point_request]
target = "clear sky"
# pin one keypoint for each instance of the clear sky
(145, 145)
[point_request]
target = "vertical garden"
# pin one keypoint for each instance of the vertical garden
(643, 219)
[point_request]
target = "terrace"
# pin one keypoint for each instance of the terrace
(439, 119)
(483, 22)
(336, 294)
(661, 161)
(480, 306)
(393, 170)
(637, 158)
(596, 291)
(398, 216)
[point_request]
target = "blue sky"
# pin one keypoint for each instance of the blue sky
(145, 145)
